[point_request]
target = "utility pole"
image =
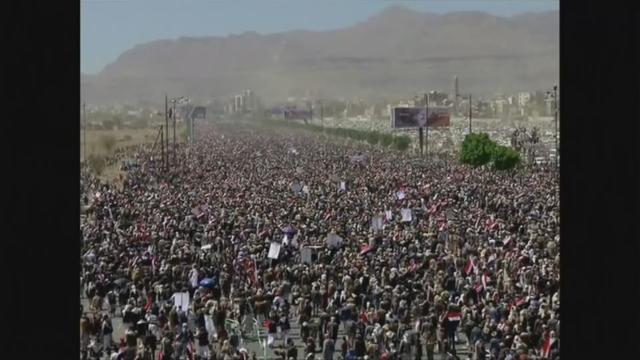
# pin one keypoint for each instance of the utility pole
(166, 120)
(84, 133)
(555, 106)
(173, 114)
(162, 146)
(426, 124)
(470, 115)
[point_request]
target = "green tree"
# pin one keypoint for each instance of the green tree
(505, 158)
(386, 140)
(402, 142)
(373, 137)
(477, 149)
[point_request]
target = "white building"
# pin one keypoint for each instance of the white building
(524, 98)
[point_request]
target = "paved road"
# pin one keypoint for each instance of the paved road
(252, 345)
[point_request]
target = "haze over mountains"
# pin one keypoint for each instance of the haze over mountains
(391, 55)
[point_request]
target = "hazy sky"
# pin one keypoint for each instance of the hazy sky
(110, 27)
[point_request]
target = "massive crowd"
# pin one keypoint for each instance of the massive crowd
(369, 253)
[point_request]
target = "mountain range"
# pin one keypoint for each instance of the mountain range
(391, 55)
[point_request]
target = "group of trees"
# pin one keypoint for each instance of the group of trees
(107, 121)
(399, 142)
(478, 149)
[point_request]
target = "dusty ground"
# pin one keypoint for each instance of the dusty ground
(123, 138)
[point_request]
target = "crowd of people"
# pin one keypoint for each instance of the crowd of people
(368, 253)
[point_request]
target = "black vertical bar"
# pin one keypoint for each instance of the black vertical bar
(426, 124)
(470, 114)
(166, 138)
(421, 137)
(162, 145)
(173, 114)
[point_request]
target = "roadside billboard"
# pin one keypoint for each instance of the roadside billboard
(297, 114)
(414, 117)
(199, 112)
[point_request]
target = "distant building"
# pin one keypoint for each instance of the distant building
(456, 93)
(524, 98)
(549, 106)
(500, 107)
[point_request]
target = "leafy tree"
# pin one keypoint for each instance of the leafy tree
(505, 158)
(386, 140)
(373, 137)
(402, 142)
(477, 149)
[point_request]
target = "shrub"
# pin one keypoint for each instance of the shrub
(402, 142)
(97, 163)
(386, 140)
(505, 158)
(373, 137)
(477, 149)
(108, 142)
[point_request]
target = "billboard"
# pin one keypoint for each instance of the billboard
(414, 117)
(199, 112)
(296, 114)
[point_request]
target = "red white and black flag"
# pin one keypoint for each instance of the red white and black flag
(470, 266)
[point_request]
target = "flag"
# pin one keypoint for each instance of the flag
(484, 279)
(469, 266)
(190, 350)
(453, 315)
(412, 265)
(364, 249)
(546, 346)
(147, 307)
(507, 241)
(363, 317)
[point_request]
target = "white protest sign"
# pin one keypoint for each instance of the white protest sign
(389, 215)
(305, 189)
(334, 240)
(406, 215)
(177, 300)
(181, 300)
(376, 223)
(343, 186)
(400, 195)
(274, 251)
(305, 255)
(209, 325)
(185, 301)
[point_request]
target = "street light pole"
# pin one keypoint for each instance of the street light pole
(84, 133)
(426, 125)
(555, 106)
(173, 114)
(470, 115)
(166, 120)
